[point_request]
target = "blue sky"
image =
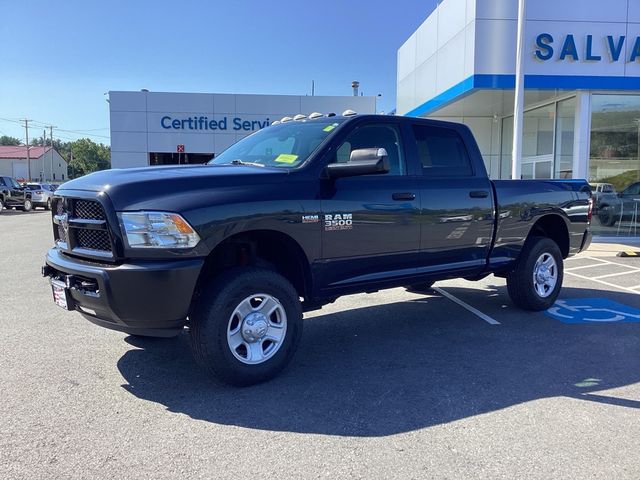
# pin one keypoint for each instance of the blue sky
(58, 58)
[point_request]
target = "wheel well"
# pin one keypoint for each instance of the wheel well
(262, 248)
(555, 228)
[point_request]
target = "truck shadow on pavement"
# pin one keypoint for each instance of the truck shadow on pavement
(400, 367)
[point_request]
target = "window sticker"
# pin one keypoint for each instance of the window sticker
(328, 128)
(286, 158)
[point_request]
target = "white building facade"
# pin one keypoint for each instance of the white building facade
(160, 128)
(45, 164)
(582, 83)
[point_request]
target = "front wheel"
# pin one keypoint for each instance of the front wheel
(246, 325)
(2, 206)
(535, 282)
(48, 205)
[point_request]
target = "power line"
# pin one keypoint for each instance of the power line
(78, 132)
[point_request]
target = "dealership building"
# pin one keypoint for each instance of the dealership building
(581, 81)
(159, 128)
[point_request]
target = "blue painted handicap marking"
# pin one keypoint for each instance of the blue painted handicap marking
(592, 310)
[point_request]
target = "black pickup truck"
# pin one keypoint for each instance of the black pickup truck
(291, 218)
(14, 195)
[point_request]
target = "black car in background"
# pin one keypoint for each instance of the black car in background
(14, 195)
(615, 207)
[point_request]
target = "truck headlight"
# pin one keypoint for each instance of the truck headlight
(158, 230)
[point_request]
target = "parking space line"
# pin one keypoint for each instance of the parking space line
(626, 289)
(584, 266)
(468, 307)
(575, 257)
(635, 270)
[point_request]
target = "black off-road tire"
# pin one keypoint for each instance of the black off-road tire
(520, 282)
(210, 318)
(423, 287)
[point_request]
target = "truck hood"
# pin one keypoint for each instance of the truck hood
(169, 187)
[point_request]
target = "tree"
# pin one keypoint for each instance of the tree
(7, 140)
(88, 156)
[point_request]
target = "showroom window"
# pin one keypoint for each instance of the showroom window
(547, 141)
(614, 163)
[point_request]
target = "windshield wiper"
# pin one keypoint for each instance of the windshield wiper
(237, 161)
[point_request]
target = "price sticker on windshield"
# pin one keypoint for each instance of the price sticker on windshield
(328, 128)
(286, 158)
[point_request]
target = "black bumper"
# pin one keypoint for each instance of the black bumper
(143, 298)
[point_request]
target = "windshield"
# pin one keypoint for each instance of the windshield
(285, 145)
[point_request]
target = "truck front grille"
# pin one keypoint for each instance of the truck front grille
(81, 227)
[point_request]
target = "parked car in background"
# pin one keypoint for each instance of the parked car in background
(613, 207)
(13, 195)
(41, 194)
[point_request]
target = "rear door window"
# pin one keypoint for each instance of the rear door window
(375, 136)
(442, 152)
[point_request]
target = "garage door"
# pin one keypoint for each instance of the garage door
(20, 171)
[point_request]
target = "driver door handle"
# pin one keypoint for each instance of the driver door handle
(404, 196)
(478, 194)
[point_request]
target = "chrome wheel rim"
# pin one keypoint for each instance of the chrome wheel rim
(27, 205)
(545, 275)
(256, 329)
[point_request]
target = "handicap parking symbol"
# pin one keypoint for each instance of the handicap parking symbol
(592, 310)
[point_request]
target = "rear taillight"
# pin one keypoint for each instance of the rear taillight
(39, 192)
(590, 211)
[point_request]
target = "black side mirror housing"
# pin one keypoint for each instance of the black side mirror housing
(363, 161)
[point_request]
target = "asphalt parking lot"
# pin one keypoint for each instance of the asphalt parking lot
(455, 384)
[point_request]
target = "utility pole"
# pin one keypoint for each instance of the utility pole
(51, 127)
(26, 133)
(518, 107)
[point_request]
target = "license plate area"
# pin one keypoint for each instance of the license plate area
(61, 295)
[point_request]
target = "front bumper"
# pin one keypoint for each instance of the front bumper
(144, 298)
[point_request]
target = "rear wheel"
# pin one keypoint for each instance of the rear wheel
(246, 325)
(607, 217)
(48, 206)
(2, 206)
(535, 282)
(27, 205)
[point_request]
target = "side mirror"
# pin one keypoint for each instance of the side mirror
(363, 161)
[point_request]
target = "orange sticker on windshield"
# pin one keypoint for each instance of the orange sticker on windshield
(286, 158)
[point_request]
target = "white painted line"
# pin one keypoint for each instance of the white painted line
(584, 266)
(616, 274)
(595, 259)
(626, 289)
(476, 312)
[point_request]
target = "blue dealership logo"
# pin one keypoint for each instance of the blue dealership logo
(568, 49)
